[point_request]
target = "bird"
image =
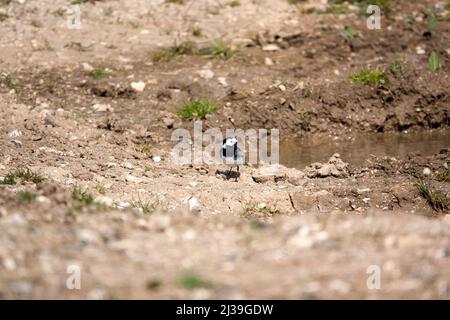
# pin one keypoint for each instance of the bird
(232, 155)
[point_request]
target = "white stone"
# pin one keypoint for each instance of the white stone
(87, 67)
(302, 243)
(271, 47)
(222, 81)
(193, 203)
(206, 73)
(122, 204)
(128, 165)
(188, 235)
(390, 241)
(138, 86)
(105, 200)
(364, 190)
(43, 199)
(321, 236)
(35, 44)
(426, 171)
(268, 61)
(420, 50)
(111, 164)
(9, 264)
(156, 159)
(132, 179)
(15, 134)
(262, 205)
(98, 107)
(88, 236)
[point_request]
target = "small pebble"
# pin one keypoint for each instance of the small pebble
(9, 264)
(15, 134)
(138, 86)
(206, 73)
(222, 81)
(193, 203)
(268, 61)
(87, 67)
(98, 107)
(420, 50)
(271, 47)
(122, 204)
(156, 159)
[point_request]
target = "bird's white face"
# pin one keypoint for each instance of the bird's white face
(231, 141)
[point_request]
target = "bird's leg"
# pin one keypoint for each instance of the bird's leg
(237, 168)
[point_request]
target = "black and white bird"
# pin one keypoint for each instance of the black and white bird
(231, 154)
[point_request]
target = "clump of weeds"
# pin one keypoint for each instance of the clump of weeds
(435, 198)
(196, 109)
(368, 76)
(22, 175)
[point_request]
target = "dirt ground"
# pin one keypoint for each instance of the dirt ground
(89, 181)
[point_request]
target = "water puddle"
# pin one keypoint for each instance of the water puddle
(298, 153)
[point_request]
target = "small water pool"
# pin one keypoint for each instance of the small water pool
(298, 153)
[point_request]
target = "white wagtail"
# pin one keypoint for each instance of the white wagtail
(232, 155)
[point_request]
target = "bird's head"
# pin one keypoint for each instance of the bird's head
(230, 141)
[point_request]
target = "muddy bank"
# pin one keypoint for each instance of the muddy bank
(73, 152)
(418, 100)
